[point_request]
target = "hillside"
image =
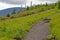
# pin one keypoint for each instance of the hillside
(17, 26)
(10, 10)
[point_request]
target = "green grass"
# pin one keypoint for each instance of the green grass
(20, 24)
(18, 27)
(55, 25)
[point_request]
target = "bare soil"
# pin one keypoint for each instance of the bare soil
(38, 32)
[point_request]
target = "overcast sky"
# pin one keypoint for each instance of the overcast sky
(16, 3)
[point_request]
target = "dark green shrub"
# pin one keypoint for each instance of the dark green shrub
(58, 4)
(27, 8)
(2, 18)
(8, 15)
(46, 4)
(17, 38)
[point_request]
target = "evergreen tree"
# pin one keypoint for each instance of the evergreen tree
(25, 4)
(27, 8)
(58, 4)
(46, 4)
(8, 15)
(14, 11)
(31, 3)
(55, 4)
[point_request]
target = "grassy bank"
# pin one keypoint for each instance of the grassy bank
(18, 27)
(55, 25)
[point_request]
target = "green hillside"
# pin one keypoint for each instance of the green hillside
(55, 25)
(20, 24)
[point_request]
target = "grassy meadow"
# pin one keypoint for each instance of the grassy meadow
(20, 24)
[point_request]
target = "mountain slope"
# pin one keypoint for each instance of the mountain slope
(10, 10)
(20, 26)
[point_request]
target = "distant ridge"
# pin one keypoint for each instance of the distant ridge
(10, 10)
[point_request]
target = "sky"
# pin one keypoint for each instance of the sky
(4, 4)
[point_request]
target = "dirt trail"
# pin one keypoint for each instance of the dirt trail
(38, 31)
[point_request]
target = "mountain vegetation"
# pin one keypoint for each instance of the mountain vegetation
(14, 12)
(59, 5)
(17, 26)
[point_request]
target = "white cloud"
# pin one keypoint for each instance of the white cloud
(23, 1)
(16, 3)
(5, 5)
(13, 1)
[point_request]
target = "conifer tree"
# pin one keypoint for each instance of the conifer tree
(58, 4)
(31, 3)
(8, 15)
(46, 4)
(27, 8)
(14, 11)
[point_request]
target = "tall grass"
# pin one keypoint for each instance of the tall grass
(18, 27)
(55, 25)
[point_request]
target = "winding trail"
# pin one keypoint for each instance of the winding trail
(38, 31)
